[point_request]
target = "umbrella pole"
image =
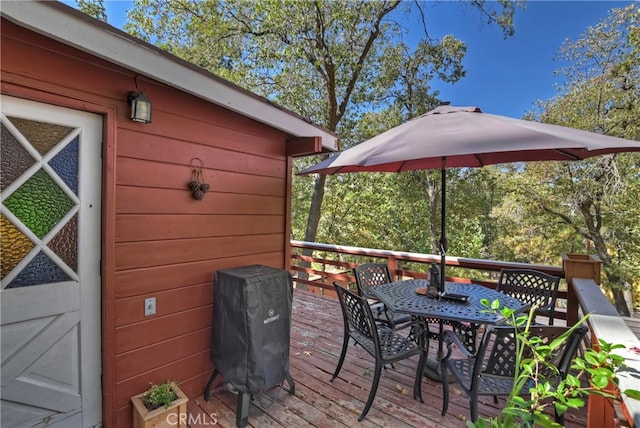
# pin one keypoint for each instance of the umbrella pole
(443, 249)
(443, 224)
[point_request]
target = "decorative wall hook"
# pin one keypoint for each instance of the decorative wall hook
(197, 184)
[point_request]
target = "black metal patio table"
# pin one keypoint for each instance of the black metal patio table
(401, 297)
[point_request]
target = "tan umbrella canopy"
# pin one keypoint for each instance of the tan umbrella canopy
(450, 136)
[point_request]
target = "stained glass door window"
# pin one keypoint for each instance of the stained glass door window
(50, 282)
(39, 193)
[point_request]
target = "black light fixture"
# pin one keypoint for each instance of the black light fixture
(140, 107)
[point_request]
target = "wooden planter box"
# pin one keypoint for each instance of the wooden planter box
(175, 416)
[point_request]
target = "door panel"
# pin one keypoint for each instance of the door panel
(50, 277)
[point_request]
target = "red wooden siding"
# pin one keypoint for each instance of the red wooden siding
(159, 241)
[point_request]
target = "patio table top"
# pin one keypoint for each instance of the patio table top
(401, 297)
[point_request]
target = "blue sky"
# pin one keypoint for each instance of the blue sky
(504, 76)
(507, 76)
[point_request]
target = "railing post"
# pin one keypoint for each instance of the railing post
(600, 410)
(393, 266)
(578, 266)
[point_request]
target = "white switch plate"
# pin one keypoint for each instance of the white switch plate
(149, 306)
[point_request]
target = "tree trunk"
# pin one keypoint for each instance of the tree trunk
(426, 180)
(618, 292)
(313, 220)
(616, 283)
(316, 207)
(433, 196)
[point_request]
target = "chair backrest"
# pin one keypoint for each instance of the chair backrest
(532, 287)
(563, 355)
(358, 320)
(371, 274)
(497, 353)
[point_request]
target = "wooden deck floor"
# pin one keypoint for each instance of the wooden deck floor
(316, 339)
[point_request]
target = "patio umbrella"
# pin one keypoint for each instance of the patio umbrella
(450, 136)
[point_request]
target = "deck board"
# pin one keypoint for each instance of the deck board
(316, 341)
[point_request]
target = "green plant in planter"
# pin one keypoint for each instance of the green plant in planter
(159, 395)
(598, 366)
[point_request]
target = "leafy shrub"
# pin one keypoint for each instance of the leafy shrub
(598, 366)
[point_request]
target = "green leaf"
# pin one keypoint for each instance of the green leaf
(600, 381)
(579, 364)
(572, 381)
(561, 408)
(592, 358)
(518, 400)
(575, 403)
(632, 393)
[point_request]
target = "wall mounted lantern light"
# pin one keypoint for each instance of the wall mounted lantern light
(140, 107)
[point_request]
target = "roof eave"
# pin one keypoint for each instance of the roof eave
(74, 28)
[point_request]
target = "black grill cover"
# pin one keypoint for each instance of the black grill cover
(251, 326)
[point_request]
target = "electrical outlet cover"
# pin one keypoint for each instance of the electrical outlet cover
(149, 306)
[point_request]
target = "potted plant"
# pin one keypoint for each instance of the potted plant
(162, 405)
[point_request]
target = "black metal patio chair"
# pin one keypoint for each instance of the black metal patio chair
(533, 287)
(383, 343)
(492, 370)
(369, 275)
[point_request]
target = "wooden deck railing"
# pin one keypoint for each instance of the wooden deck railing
(316, 266)
(604, 322)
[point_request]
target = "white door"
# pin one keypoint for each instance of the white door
(50, 266)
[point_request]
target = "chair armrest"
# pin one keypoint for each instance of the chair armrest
(378, 308)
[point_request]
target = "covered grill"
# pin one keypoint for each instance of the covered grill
(251, 331)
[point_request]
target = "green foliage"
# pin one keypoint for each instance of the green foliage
(324, 60)
(94, 8)
(587, 206)
(159, 395)
(597, 366)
